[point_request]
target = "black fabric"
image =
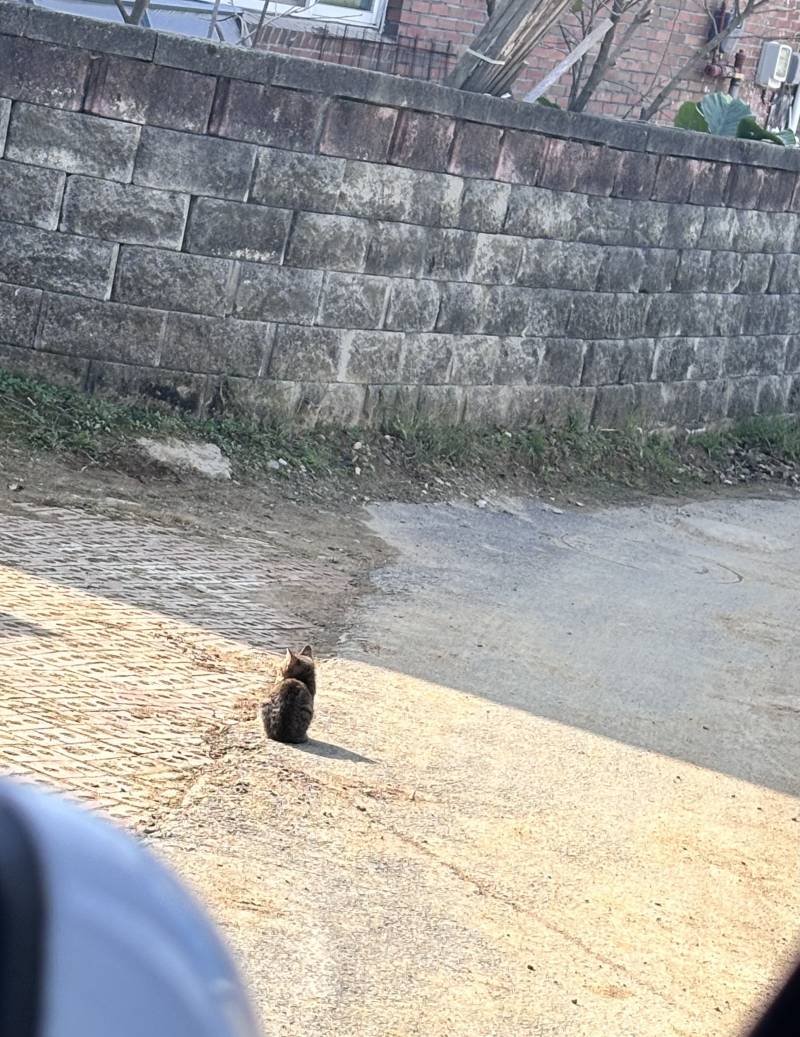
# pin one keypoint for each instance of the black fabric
(782, 1018)
(22, 922)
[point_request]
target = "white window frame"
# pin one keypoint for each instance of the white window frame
(322, 12)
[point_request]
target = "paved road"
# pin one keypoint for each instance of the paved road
(553, 787)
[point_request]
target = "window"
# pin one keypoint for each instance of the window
(367, 13)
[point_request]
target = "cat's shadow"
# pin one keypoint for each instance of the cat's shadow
(331, 751)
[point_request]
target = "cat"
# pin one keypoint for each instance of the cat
(289, 710)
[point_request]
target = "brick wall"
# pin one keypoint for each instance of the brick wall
(659, 49)
(237, 231)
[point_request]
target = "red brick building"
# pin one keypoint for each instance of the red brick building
(424, 37)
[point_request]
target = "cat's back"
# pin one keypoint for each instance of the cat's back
(288, 712)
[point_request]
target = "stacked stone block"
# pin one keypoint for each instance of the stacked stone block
(229, 230)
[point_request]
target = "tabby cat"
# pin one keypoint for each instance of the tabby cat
(289, 710)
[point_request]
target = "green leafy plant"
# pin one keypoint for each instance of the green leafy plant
(726, 116)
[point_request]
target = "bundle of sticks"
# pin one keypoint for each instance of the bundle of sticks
(493, 61)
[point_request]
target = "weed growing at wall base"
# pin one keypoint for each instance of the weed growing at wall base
(400, 460)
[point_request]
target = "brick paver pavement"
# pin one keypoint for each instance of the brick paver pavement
(121, 650)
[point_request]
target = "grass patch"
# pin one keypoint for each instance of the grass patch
(43, 417)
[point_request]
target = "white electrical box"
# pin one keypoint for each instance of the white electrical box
(773, 65)
(793, 75)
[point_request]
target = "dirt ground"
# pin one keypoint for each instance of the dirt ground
(553, 781)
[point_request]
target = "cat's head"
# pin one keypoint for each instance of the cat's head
(298, 665)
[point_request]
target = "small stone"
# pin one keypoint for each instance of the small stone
(358, 446)
(273, 465)
(481, 504)
(283, 462)
(204, 459)
(15, 487)
(357, 470)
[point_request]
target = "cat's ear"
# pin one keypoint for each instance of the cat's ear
(307, 652)
(288, 657)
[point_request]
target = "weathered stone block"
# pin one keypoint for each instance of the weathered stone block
(474, 360)
(614, 406)
(709, 181)
(102, 330)
(785, 278)
(761, 355)
(484, 204)
(413, 305)
(692, 272)
(61, 262)
(742, 398)
(236, 230)
(606, 221)
(508, 311)
(422, 141)
(761, 314)
(536, 213)
(426, 359)
(756, 272)
(763, 232)
(497, 259)
(188, 162)
(254, 65)
(724, 272)
(461, 308)
(72, 142)
(549, 312)
(330, 242)
(560, 168)
(617, 361)
(184, 393)
(292, 180)
(648, 224)
(357, 130)
(562, 405)
(683, 227)
(635, 176)
(35, 363)
(337, 405)
(386, 406)
(518, 361)
(621, 269)
(673, 182)
(14, 18)
(451, 254)
(724, 315)
(441, 404)
(744, 186)
(559, 264)
(793, 396)
(267, 115)
(772, 395)
(307, 354)
(523, 157)
(402, 195)
(217, 345)
(719, 228)
(278, 293)
(777, 189)
(373, 356)
(155, 95)
(596, 169)
(658, 272)
(353, 301)
(562, 362)
(475, 150)
(124, 212)
(41, 73)
(130, 41)
(19, 312)
(29, 194)
(397, 250)
(683, 359)
(605, 315)
(173, 280)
